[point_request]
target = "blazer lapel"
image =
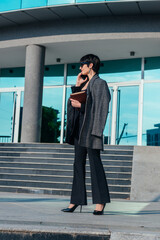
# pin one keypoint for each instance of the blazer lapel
(91, 83)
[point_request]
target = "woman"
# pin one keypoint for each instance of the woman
(85, 125)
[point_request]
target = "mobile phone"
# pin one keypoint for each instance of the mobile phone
(84, 77)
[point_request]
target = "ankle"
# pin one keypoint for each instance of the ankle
(99, 207)
(71, 205)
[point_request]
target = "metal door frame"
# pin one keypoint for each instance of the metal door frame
(115, 87)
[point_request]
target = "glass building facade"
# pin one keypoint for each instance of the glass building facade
(9, 5)
(134, 117)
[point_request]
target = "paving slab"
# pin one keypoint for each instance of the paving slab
(122, 219)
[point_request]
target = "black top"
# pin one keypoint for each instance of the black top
(79, 113)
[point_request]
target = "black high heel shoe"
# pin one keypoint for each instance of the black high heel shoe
(96, 212)
(70, 210)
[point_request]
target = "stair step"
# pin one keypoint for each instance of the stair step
(57, 178)
(59, 185)
(36, 145)
(60, 155)
(66, 192)
(60, 160)
(57, 145)
(60, 166)
(67, 172)
(36, 150)
(59, 150)
(48, 168)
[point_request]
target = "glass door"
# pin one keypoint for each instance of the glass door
(127, 115)
(7, 116)
(51, 114)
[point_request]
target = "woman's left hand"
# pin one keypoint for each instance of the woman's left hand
(75, 103)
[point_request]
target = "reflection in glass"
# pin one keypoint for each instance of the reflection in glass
(7, 104)
(52, 99)
(152, 68)
(35, 3)
(121, 70)
(55, 2)
(151, 114)
(153, 136)
(72, 72)
(53, 75)
(6, 5)
(127, 115)
(9, 82)
(13, 77)
(80, 1)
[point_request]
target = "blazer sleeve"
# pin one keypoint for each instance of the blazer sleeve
(101, 99)
(75, 89)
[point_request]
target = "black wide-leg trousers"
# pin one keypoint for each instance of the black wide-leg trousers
(100, 192)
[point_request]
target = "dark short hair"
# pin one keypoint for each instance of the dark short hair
(91, 58)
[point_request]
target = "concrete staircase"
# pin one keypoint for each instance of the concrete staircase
(47, 169)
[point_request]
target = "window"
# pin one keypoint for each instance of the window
(7, 106)
(121, 70)
(152, 68)
(151, 113)
(6, 5)
(53, 75)
(72, 72)
(57, 2)
(12, 77)
(35, 3)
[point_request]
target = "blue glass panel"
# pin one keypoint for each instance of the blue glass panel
(151, 114)
(52, 99)
(127, 115)
(58, 2)
(6, 5)
(72, 72)
(6, 113)
(12, 77)
(152, 68)
(53, 75)
(121, 70)
(80, 1)
(35, 3)
(111, 71)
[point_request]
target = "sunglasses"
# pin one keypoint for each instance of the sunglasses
(82, 63)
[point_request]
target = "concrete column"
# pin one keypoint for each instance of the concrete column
(32, 107)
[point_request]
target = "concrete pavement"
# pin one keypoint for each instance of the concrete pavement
(122, 219)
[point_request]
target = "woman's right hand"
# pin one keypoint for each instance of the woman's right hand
(80, 80)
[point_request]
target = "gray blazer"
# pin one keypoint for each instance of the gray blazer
(96, 111)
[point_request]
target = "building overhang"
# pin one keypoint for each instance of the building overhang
(79, 10)
(71, 31)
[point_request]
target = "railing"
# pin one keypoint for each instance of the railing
(5, 139)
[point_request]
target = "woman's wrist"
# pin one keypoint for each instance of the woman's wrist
(78, 83)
